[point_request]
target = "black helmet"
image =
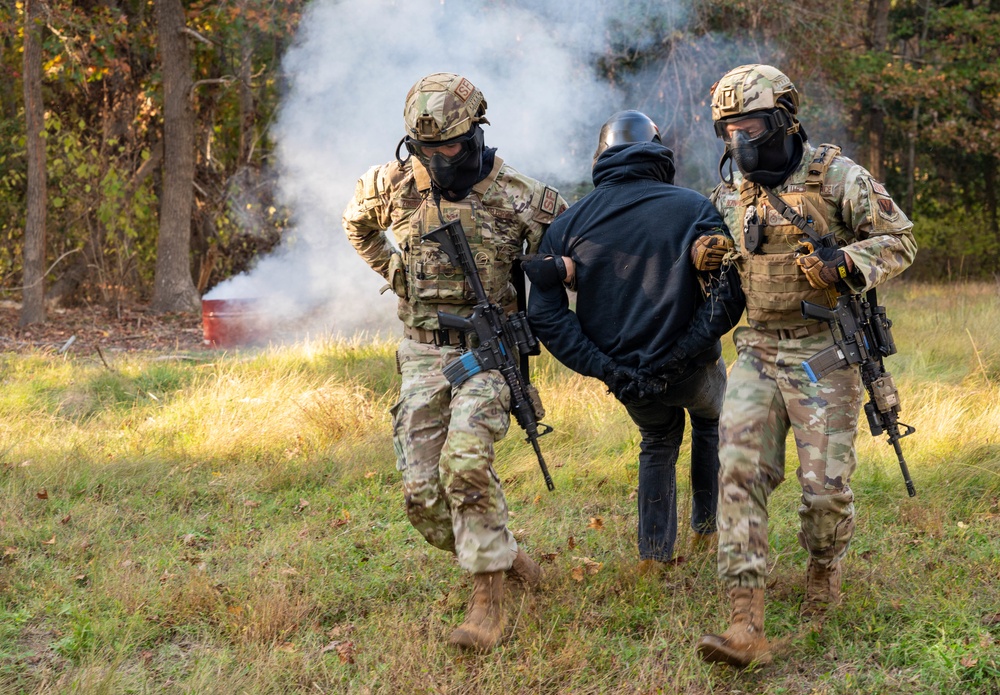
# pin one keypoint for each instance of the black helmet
(625, 127)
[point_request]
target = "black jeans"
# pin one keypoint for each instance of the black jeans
(661, 424)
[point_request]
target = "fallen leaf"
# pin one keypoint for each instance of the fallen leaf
(571, 542)
(252, 504)
(286, 647)
(290, 572)
(302, 505)
(577, 574)
(341, 631)
(51, 541)
(987, 620)
(962, 524)
(65, 520)
(80, 579)
(42, 494)
(9, 550)
(589, 566)
(345, 650)
(968, 661)
(596, 523)
(549, 557)
(538, 498)
(370, 474)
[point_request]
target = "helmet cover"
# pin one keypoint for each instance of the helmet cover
(442, 106)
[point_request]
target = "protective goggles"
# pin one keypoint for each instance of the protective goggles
(755, 127)
(425, 150)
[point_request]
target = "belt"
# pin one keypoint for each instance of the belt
(794, 333)
(441, 337)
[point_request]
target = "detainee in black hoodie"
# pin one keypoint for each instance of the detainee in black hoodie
(644, 326)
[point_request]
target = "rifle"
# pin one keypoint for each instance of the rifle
(863, 337)
(502, 340)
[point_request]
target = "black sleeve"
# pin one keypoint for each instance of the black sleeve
(713, 319)
(559, 328)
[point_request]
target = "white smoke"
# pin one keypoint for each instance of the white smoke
(347, 76)
(348, 73)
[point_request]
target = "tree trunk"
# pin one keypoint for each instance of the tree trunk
(247, 113)
(878, 20)
(33, 295)
(173, 286)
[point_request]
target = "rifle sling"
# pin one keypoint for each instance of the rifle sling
(785, 210)
(517, 279)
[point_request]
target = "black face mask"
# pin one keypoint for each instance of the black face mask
(767, 163)
(453, 176)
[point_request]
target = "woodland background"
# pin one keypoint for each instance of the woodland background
(128, 128)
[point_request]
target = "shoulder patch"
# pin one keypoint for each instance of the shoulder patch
(878, 187)
(887, 208)
(550, 201)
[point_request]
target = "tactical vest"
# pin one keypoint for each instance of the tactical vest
(432, 281)
(774, 286)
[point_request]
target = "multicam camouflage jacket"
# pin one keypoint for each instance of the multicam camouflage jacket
(838, 196)
(505, 214)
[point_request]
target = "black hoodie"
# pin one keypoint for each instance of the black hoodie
(639, 304)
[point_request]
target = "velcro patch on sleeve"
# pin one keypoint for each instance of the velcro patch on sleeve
(879, 188)
(550, 199)
(886, 207)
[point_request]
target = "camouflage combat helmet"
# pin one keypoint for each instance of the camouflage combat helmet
(750, 88)
(442, 106)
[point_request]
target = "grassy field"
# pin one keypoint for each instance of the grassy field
(233, 523)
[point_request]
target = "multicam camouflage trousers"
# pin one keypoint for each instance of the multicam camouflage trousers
(768, 393)
(444, 448)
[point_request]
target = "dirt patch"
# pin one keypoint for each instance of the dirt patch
(81, 331)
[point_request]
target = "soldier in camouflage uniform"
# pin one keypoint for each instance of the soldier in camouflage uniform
(444, 436)
(754, 108)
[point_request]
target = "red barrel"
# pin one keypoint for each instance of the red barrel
(231, 322)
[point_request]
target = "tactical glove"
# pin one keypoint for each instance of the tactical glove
(545, 272)
(629, 387)
(617, 380)
(708, 251)
(824, 267)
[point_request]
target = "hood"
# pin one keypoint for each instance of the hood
(635, 160)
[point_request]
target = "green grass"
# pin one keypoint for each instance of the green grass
(233, 523)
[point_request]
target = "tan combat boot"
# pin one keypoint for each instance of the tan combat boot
(484, 624)
(703, 542)
(525, 570)
(651, 568)
(744, 642)
(822, 588)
